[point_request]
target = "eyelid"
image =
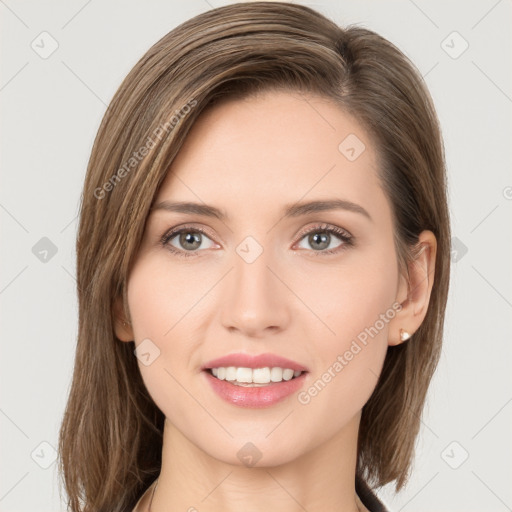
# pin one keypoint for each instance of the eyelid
(171, 233)
(347, 239)
(323, 226)
(342, 234)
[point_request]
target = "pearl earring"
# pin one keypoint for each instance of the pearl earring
(404, 335)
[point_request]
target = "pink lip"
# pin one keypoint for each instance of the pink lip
(255, 397)
(260, 396)
(241, 360)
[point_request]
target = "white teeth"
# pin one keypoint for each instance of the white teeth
(261, 375)
(276, 374)
(254, 376)
(287, 374)
(230, 373)
(244, 375)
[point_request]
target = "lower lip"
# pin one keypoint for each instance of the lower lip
(258, 396)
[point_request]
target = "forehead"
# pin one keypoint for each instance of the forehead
(275, 148)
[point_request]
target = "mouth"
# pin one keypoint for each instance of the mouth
(254, 377)
(243, 391)
(255, 381)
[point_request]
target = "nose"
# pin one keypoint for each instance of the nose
(255, 302)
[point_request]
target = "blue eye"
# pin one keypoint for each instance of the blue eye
(322, 236)
(191, 240)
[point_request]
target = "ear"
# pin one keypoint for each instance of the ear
(122, 326)
(414, 292)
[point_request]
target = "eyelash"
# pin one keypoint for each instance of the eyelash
(345, 237)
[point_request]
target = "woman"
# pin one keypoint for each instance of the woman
(263, 267)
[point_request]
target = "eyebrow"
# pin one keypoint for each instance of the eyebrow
(291, 210)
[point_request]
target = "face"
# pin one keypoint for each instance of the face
(315, 286)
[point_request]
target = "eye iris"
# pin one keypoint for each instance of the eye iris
(190, 238)
(320, 238)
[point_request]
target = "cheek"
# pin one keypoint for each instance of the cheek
(355, 302)
(349, 362)
(160, 296)
(350, 296)
(164, 305)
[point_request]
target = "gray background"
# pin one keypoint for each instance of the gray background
(51, 107)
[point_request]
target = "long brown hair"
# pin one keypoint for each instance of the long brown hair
(111, 436)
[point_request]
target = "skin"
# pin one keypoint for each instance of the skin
(251, 158)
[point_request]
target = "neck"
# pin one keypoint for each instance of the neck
(321, 479)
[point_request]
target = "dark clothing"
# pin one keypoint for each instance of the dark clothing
(368, 497)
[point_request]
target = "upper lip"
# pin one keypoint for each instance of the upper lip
(242, 360)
